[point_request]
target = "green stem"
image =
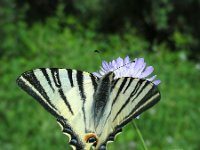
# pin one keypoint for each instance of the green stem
(140, 135)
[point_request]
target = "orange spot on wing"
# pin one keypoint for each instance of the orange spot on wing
(89, 135)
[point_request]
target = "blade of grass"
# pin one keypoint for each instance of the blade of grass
(140, 135)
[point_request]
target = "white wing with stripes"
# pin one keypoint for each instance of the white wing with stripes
(67, 94)
(129, 97)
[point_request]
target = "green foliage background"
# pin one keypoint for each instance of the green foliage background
(61, 38)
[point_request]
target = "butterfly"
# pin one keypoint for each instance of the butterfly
(89, 109)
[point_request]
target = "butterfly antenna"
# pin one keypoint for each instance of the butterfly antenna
(124, 65)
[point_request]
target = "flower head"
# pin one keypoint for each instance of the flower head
(127, 68)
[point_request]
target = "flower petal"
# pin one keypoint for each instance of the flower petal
(152, 78)
(156, 82)
(126, 60)
(127, 68)
(119, 62)
(147, 71)
(97, 74)
(139, 62)
(105, 65)
(141, 69)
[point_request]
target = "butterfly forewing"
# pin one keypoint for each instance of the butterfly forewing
(136, 96)
(67, 94)
(129, 97)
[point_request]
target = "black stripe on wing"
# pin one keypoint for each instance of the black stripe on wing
(129, 98)
(113, 84)
(131, 79)
(29, 78)
(80, 81)
(120, 90)
(94, 80)
(69, 71)
(150, 99)
(146, 83)
(44, 71)
(56, 78)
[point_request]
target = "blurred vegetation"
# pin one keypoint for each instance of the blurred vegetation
(64, 34)
(173, 23)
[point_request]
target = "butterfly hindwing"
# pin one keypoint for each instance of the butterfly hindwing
(65, 93)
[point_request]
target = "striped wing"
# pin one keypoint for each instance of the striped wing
(65, 93)
(129, 98)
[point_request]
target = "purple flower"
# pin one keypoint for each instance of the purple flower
(127, 68)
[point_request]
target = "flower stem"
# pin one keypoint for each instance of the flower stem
(140, 135)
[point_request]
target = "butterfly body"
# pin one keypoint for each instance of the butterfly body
(90, 110)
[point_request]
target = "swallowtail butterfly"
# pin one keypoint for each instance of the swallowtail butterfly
(90, 110)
